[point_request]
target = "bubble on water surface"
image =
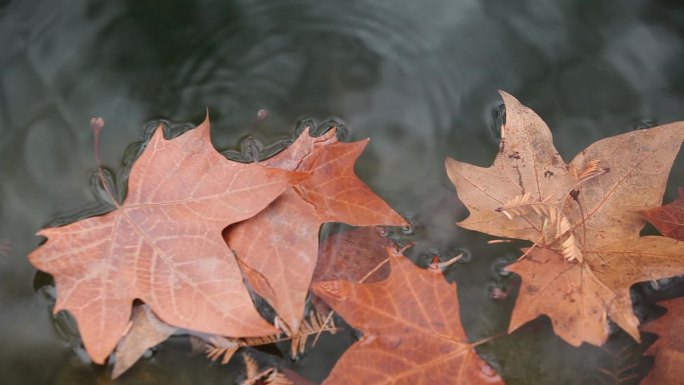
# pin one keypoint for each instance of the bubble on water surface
(644, 124)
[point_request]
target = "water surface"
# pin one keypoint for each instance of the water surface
(418, 78)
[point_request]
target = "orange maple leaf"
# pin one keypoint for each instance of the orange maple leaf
(163, 245)
(280, 245)
(412, 330)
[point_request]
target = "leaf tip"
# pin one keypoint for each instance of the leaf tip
(504, 94)
(508, 99)
(206, 123)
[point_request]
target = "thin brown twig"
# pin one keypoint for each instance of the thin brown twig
(97, 124)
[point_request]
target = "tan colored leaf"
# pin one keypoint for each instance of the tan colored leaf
(551, 282)
(587, 212)
(163, 245)
(412, 330)
(281, 243)
(146, 331)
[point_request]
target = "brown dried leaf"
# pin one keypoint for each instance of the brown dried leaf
(598, 196)
(412, 330)
(550, 281)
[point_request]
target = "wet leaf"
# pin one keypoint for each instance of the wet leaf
(584, 215)
(353, 255)
(669, 218)
(620, 363)
(146, 331)
(163, 245)
(295, 378)
(411, 327)
(668, 367)
(281, 242)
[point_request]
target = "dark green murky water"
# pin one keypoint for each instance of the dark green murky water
(418, 78)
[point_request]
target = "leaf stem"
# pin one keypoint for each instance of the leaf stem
(97, 124)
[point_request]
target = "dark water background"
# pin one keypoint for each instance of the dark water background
(417, 77)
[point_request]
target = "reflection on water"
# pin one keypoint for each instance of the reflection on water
(419, 78)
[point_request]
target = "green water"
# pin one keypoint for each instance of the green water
(418, 78)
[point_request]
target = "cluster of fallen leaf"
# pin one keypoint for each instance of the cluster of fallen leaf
(195, 227)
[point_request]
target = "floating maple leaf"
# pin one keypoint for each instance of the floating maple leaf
(412, 330)
(668, 367)
(163, 245)
(582, 217)
(669, 218)
(280, 244)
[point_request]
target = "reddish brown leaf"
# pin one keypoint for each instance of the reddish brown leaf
(669, 327)
(295, 378)
(412, 330)
(146, 331)
(352, 255)
(669, 218)
(281, 242)
(163, 245)
(668, 367)
(585, 212)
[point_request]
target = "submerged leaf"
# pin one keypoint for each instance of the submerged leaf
(412, 330)
(146, 331)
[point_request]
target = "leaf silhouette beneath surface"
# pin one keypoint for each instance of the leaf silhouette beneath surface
(412, 330)
(669, 218)
(281, 242)
(163, 245)
(668, 367)
(585, 212)
(146, 331)
(353, 255)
